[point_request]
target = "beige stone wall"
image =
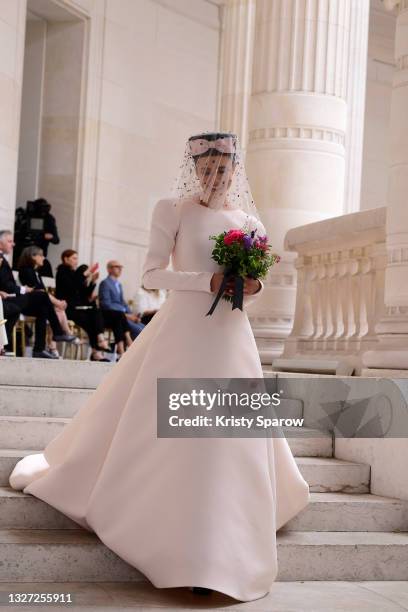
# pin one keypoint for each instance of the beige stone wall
(59, 174)
(149, 79)
(159, 84)
(12, 27)
(31, 109)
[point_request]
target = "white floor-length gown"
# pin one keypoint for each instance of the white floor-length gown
(184, 511)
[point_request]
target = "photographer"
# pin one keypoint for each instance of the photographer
(35, 226)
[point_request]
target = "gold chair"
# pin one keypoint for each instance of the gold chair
(19, 326)
(77, 349)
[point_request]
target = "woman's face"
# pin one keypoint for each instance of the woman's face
(72, 261)
(38, 260)
(215, 174)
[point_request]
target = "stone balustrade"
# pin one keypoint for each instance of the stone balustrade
(340, 267)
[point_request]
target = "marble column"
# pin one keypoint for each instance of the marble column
(238, 28)
(392, 329)
(297, 126)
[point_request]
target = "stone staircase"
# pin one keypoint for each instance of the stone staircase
(345, 533)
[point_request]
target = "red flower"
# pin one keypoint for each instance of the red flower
(233, 236)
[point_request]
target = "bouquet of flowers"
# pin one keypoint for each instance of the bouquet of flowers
(242, 253)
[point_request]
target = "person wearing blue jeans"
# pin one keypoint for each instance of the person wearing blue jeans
(112, 302)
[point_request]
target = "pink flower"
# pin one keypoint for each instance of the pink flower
(233, 236)
(261, 246)
(262, 243)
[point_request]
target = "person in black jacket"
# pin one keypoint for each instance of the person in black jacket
(76, 285)
(26, 300)
(29, 267)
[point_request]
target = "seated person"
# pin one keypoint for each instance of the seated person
(116, 312)
(76, 286)
(29, 266)
(26, 300)
(148, 301)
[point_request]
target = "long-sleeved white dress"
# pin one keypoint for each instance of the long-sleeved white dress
(184, 511)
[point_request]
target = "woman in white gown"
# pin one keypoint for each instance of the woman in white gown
(184, 511)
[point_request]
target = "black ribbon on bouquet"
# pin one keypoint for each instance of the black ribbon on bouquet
(238, 294)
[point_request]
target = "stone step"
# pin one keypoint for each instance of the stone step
(351, 512)
(317, 471)
(41, 401)
(52, 372)
(305, 596)
(59, 402)
(20, 432)
(326, 555)
(22, 511)
(37, 555)
(32, 432)
(8, 459)
(309, 442)
(79, 374)
(60, 555)
(326, 512)
(328, 474)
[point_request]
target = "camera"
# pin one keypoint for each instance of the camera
(31, 225)
(36, 213)
(30, 222)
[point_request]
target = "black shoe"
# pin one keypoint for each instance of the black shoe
(43, 355)
(65, 338)
(202, 591)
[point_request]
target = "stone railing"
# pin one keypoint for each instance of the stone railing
(340, 289)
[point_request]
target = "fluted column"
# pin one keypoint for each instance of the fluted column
(296, 150)
(392, 351)
(238, 26)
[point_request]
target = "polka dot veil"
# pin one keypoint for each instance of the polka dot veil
(213, 170)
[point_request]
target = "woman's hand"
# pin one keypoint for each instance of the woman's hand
(60, 304)
(92, 272)
(216, 281)
(251, 285)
